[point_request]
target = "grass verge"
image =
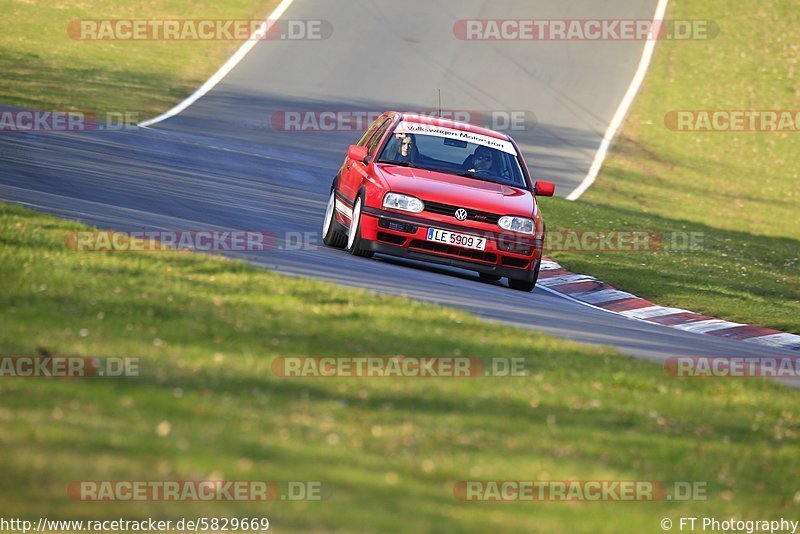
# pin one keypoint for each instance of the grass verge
(741, 190)
(207, 404)
(44, 68)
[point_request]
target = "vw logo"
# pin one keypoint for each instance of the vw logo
(461, 214)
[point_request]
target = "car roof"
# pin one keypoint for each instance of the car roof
(449, 123)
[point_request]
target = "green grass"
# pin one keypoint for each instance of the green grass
(742, 190)
(43, 68)
(733, 274)
(389, 450)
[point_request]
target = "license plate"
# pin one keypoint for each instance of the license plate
(458, 240)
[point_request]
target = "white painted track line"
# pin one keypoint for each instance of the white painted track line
(223, 71)
(622, 110)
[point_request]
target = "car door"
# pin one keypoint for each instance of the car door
(345, 183)
(355, 172)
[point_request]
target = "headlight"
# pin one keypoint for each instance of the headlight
(522, 225)
(396, 201)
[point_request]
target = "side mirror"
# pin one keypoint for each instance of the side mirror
(544, 189)
(358, 153)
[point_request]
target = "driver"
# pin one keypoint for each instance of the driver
(407, 149)
(482, 159)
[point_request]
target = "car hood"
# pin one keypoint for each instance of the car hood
(458, 191)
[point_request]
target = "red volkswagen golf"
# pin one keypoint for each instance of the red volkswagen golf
(440, 191)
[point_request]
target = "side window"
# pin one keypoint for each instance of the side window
(377, 137)
(368, 133)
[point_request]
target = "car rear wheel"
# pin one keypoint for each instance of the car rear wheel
(355, 245)
(526, 285)
(331, 235)
(489, 277)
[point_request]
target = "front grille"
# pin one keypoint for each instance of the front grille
(472, 215)
(391, 238)
(478, 255)
(397, 226)
(515, 262)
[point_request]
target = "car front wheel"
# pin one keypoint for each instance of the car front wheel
(526, 285)
(355, 244)
(331, 235)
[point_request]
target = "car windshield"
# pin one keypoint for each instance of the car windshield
(452, 151)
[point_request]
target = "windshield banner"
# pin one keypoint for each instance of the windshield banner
(406, 127)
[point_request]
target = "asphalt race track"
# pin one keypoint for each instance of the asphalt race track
(222, 164)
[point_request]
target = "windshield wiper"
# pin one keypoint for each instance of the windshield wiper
(399, 163)
(467, 174)
(453, 172)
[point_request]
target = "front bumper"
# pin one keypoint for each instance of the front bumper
(402, 235)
